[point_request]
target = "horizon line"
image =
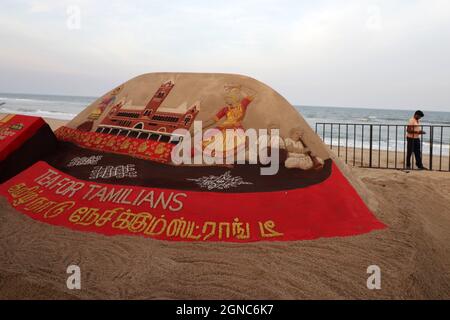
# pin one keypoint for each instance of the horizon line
(294, 105)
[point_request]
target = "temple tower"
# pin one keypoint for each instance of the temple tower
(158, 98)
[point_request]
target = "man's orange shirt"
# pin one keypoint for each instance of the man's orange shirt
(413, 124)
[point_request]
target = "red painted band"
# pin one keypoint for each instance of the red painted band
(329, 209)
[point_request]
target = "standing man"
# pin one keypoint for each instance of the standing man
(414, 132)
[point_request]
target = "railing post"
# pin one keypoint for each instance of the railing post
(378, 127)
(431, 146)
(440, 149)
(371, 146)
(331, 137)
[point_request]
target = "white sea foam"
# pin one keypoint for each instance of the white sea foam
(41, 113)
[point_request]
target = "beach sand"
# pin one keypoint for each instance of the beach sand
(413, 254)
(390, 160)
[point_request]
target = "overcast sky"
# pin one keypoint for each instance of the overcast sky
(360, 53)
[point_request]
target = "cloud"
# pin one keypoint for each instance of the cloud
(376, 53)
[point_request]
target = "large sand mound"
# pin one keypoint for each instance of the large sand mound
(126, 139)
(207, 92)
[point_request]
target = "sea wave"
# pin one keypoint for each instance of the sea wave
(10, 100)
(40, 113)
(17, 99)
(384, 146)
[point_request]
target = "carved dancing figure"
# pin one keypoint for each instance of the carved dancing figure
(237, 100)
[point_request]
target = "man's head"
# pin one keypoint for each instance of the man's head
(419, 115)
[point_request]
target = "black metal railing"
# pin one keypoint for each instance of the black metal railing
(385, 145)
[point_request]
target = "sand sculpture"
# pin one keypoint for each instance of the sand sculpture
(113, 170)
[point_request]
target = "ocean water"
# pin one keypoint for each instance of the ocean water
(49, 106)
(384, 137)
(366, 116)
(67, 107)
